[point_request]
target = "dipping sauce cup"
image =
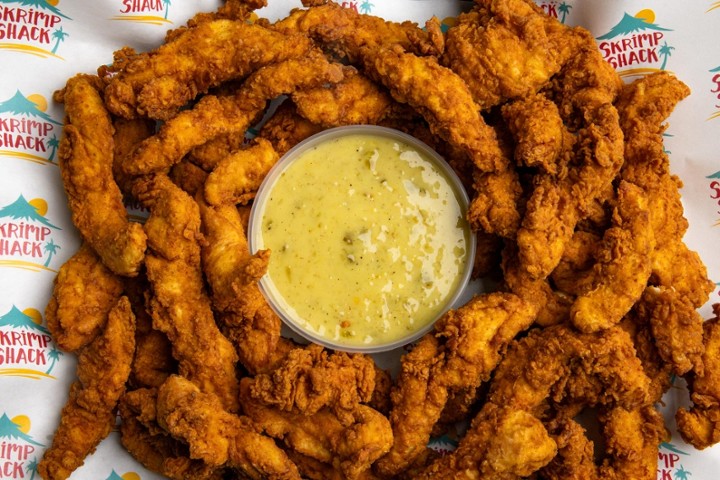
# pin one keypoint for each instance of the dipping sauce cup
(368, 238)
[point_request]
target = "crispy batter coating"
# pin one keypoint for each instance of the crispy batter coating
(643, 106)
(286, 128)
(700, 424)
(155, 84)
(179, 304)
(441, 96)
(228, 114)
(509, 52)
(310, 379)
(345, 32)
(238, 176)
(152, 446)
(232, 273)
(354, 100)
(623, 266)
(556, 206)
(86, 165)
(349, 446)
(217, 436)
(464, 348)
(89, 414)
(84, 291)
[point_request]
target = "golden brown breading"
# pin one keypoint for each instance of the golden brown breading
(310, 379)
(179, 304)
(459, 354)
(84, 291)
(215, 116)
(89, 414)
(286, 128)
(509, 52)
(623, 267)
(216, 436)
(86, 165)
(236, 178)
(700, 424)
(349, 446)
(155, 84)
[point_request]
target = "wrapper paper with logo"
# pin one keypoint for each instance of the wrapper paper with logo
(43, 42)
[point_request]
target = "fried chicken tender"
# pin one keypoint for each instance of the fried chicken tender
(86, 165)
(89, 414)
(557, 205)
(310, 379)
(544, 360)
(345, 32)
(349, 446)
(443, 99)
(84, 291)
(156, 84)
(509, 50)
(542, 141)
(152, 446)
(700, 424)
(643, 106)
(214, 116)
(238, 176)
(232, 273)
(286, 128)
(623, 266)
(354, 100)
(216, 436)
(459, 354)
(179, 304)
(632, 441)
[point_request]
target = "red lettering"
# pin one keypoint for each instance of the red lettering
(12, 470)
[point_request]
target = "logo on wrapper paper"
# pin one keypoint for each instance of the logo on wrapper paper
(715, 194)
(715, 90)
(559, 10)
(154, 12)
(19, 452)
(26, 131)
(33, 27)
(27, 238)
(26, 347)
(670, 465)
(636, 46)
(125, 476)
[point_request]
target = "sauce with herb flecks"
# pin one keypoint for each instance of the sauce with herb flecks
(368, 239)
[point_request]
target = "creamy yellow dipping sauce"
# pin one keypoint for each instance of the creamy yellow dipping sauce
(368, 240)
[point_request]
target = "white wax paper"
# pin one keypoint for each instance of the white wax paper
(43, 42)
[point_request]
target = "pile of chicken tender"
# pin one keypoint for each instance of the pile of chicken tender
(578, 218)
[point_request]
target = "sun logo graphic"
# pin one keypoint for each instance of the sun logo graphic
(18, 450)
(34, 27)
(125, 476)
(26, 347)
(154, 12)
(559, 10)
(669, 465)
(26, 131)
(26, 236)
(636, 46)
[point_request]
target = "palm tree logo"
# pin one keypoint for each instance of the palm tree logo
(681, 473)
(51, 249)
(54, 355)
(167, 4)
(59, 35)
(366, 7)
(53, 143)
(32, 468)
(665, 51)
(564, 8)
